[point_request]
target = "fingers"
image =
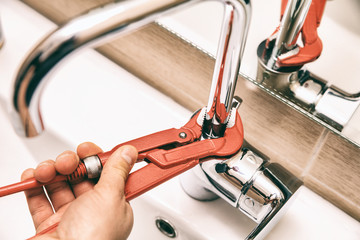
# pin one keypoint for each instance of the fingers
(85, 150)
(45, 171)
(39, 206)
(59, 193)
(67, 162)
(116, 170)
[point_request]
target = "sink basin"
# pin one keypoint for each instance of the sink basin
(92, 99)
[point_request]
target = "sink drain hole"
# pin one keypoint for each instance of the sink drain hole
(165, 227)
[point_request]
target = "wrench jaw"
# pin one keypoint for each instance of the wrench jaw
(166, 164)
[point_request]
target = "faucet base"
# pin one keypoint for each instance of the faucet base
(193, 186)
(247, 181)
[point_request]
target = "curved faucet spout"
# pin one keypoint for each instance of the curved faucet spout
(92, 29)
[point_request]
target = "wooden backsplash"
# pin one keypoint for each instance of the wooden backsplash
(327, 163)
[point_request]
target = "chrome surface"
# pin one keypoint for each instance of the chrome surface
(166, 227)
(112, 20)
(93, 166)
(327, 104)
(290, 26)
(322, 102)
(230, 50)
(337, 107)
(249, 182)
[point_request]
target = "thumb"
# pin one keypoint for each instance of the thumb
(117, 169)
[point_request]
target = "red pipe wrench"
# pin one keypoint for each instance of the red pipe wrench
(312, 43)
(168, 153)
(173, 151)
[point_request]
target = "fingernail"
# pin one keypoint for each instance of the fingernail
(43, 164)
(65, 156)
(128, 154)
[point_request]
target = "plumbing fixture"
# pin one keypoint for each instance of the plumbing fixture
(281, 66)
(184, 150)
(215, 131)
(298, 17)
(120, 18)
(165, 227)
(203, 136)
(247, 181)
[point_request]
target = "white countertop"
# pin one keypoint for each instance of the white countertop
(84, 81)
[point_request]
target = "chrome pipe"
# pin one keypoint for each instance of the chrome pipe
(290, 27)
(102, 24)
(88, 30)
(228, 60)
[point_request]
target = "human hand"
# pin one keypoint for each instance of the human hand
(84, 210)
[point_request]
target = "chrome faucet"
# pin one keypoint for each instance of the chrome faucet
(282, 66)
(112, 20)
(246, 180)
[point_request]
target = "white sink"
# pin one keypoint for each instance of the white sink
(92, 99)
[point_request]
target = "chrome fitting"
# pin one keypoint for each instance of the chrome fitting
(93, 166)
(248, 182)
(102, 24)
